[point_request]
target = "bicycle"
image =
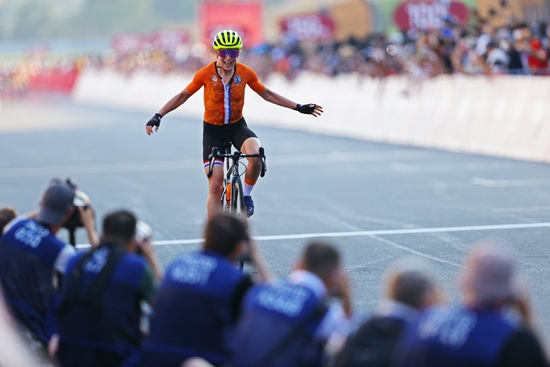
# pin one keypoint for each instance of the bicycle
(232, 198)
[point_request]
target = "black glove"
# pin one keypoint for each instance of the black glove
(155, 120)
(305, 108)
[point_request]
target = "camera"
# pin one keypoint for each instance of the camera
(74, 222)
(144, 233)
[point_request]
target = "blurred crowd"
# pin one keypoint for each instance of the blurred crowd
(114, 304)
(517, 48)
(480, 49)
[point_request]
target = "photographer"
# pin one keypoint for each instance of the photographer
(32, 254)
(79, 218)
(200, 297)
(483, 330)
(293, 321)
(100, 313)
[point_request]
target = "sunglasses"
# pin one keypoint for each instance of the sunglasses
(231, 52)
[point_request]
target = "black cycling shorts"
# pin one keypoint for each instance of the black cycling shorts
(216, 135)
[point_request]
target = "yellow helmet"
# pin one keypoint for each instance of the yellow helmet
(227, 39)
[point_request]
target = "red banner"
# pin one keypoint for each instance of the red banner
(243, 17)
(429, 15)
(309, 27)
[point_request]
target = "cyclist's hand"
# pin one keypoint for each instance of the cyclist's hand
(153, 122)
(309, 109)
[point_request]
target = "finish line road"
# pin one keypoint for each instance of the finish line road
(376, 202)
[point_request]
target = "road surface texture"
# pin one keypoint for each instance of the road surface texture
(376, 202)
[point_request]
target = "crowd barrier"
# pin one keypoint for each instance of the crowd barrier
(502, 115)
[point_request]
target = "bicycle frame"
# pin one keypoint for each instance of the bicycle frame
(232, 184)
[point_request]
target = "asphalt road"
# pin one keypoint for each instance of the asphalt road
(376, 202)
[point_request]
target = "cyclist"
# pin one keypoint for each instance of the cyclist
(224, 83)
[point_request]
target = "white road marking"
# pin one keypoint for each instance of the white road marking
(407, 249)
(510, 183)
(152, 166)
(387, 232)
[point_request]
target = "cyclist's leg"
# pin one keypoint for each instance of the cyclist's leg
(213, 137)
(252, 146)
(247, 142)
(215, 188)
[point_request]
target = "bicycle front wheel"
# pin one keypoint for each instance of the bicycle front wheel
(237, 199)
(226, 198)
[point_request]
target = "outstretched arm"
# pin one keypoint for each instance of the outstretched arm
(171, 105)
(175, 102)
(279, 100)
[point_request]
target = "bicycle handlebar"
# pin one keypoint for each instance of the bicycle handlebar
(212, 159)
(262, 159)
(236, 156)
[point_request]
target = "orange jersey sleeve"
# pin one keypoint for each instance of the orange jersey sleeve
(223, 104)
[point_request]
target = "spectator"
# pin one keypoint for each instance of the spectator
(6, 215)
(486, 36)
(99, 312)
(200, 297)
(31, 254)
(517, 51)
(287, 322)
(410, 288)
(497, 58)
(537, 55)
(466, 60)
(478, 332)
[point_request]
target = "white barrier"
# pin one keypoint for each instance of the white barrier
(506, 116)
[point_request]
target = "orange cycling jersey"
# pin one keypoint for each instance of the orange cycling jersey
(223, 104)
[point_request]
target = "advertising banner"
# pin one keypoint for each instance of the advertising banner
(393, 12)
(243, 17)
(309, 27)
(164, 39)
(429, 14)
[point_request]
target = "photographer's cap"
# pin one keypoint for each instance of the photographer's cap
(57, 200)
